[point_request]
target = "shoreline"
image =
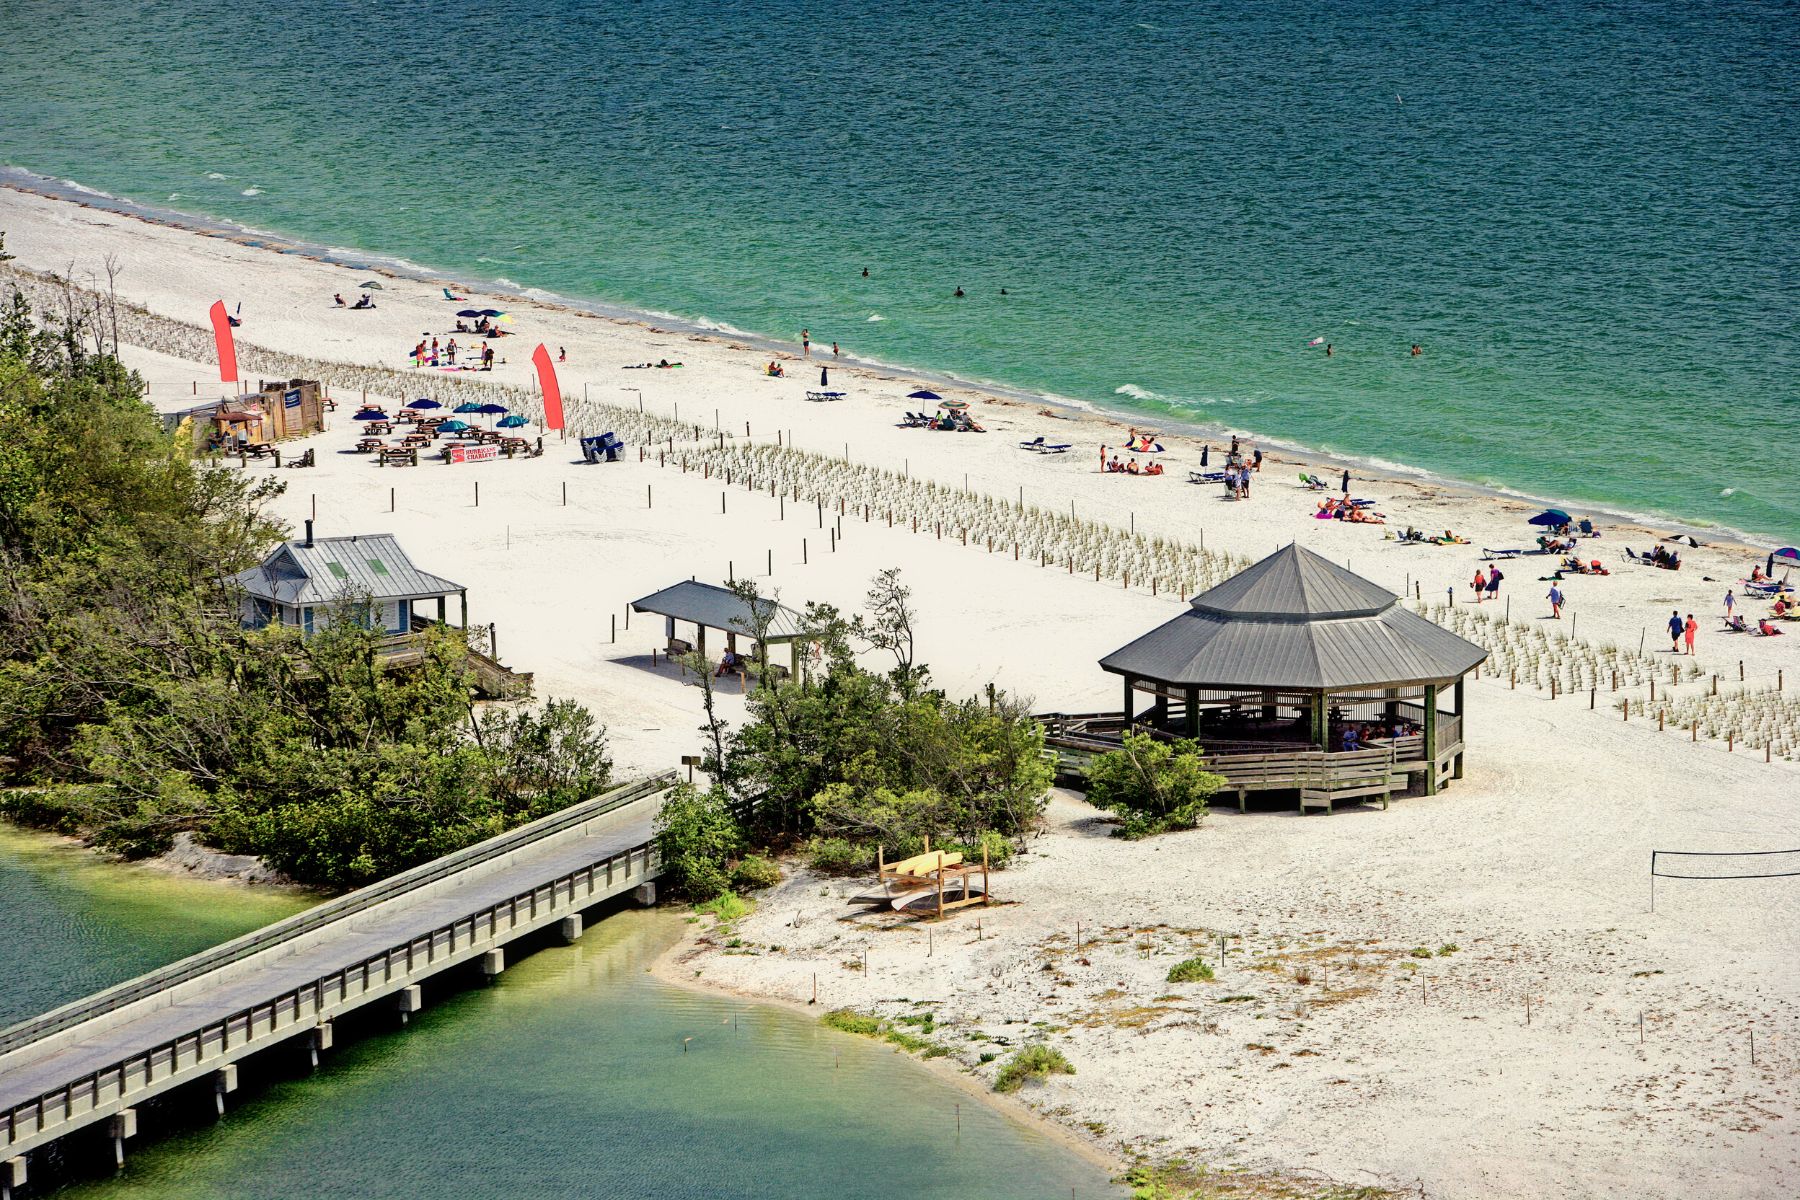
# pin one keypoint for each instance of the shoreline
(687, 948)
(1287, 453)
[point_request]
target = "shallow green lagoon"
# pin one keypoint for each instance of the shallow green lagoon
(566, 1077)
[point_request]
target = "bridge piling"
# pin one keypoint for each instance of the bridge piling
(493, 962)
(122, 1126)
(409, 1000)
(12, 1175)
(645, 893)
(224, 1080)
(320, 1040)
(570, 927)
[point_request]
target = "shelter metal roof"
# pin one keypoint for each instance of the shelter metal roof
(336, 568)
(1296, 621)
(719, 608)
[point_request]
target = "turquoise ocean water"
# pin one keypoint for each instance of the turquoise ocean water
(1585, 214)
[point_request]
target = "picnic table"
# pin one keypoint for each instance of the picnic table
(416, 439)
(258, 450)
(510, 445)
(380, 426)
(370, 443)
(398, 457)
(488, 435)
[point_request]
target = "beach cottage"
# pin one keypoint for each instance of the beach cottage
(306, 582)
(1295, 675)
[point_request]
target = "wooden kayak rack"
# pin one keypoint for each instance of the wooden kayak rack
(913, 878)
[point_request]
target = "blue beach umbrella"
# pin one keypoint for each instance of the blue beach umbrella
(468, 406)
(454, 426)
(514, 421)
(1788, 556)
(1551, 517)
(370, 414)
(490, 312)
(424, 403)
(468, 312)
(922, 394)
(491, 408)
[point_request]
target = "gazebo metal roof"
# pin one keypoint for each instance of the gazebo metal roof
(327, 569)
(1296, 622)
(720, 608)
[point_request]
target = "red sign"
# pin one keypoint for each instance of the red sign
(473, 453)
(221, 323)
(553, 410)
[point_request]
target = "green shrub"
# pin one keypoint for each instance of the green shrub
(1033, 1062)
(754, 874)
(696, 835)
(849, 1021)
(1000, 849)
(1421, 951)
(726, 906)
(1193, 970)
(1152, 785)
(839, 856)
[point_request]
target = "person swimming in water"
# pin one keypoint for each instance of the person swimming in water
(957, 293)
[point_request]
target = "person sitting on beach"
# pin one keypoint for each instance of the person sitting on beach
(1736, 623)
(1757, 576)
(1587, 528)
(1782, 607)
(338, 299)
(1131, 468)
(1115, 465)
(728, 664)
(1767, 630)
(1154, 468)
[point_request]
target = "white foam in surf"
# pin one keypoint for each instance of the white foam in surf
(876, 317)
(1136, 392)
(251, 191)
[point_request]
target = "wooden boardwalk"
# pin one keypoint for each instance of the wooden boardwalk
(90, 1061)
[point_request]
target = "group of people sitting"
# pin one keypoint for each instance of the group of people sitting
(663, 364)
(365, 301)
(1336, 508)
(482, 328)
(1573, 565)
(1736, 623)
(1555, 545)
(1668, 560)
(1356, 735)
(1584, 527)
(1414, 535)
(1130, 467)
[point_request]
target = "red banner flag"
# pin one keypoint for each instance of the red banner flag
(553, 414)
(227, 348)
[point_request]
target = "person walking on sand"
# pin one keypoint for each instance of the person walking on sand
(1103, 460)
(1494, 577)
(805, 343)
(1689, 630)
(1556, 602)
(1675, 628)
(1346, 488)
(562, 355)
(834, 350)
(1480, 585)
(1730, 604)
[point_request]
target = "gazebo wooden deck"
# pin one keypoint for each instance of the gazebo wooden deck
(1295, 676)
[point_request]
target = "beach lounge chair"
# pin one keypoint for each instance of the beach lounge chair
(821, 396)
(1206, 477)
(1486, 552)
(1056, 448)
(1312, 481)
(1036, 443)
(449, 295)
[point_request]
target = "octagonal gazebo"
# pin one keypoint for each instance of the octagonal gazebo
(1297, 656)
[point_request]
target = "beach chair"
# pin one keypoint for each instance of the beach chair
(1056, 448)
(1206, 477)
(1487, 552)
(449, 295)
(1036, 443)
(823, 396)
(1312, 481)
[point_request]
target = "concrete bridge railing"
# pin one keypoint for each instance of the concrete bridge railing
(92, 1089)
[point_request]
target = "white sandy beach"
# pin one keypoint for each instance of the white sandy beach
(1383, 1068)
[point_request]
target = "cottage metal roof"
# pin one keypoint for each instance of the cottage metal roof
(719, 608)
(1296, 621)
(336, 568)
